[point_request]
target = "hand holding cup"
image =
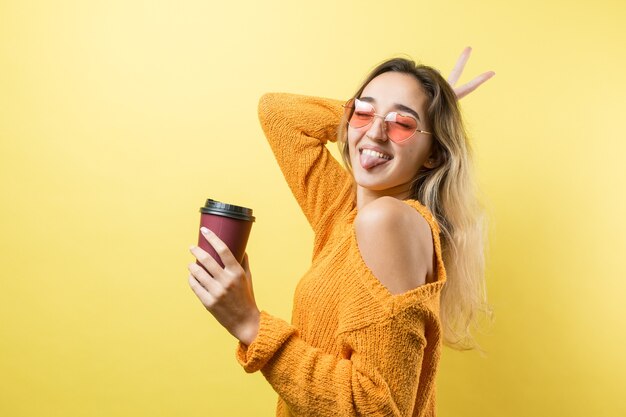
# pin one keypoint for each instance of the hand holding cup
(221, 276)
(225, 291)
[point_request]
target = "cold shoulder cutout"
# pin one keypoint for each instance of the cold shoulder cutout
(396, 244)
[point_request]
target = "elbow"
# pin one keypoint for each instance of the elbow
(267, 110)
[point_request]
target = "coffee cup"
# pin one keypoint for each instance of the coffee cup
(231, 223)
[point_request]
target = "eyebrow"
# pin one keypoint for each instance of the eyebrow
(395, 106)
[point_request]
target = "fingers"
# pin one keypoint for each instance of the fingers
(227, 257)
(205, 297)
(456, 72)
(467, 88)
(204, 279)
(208, 262)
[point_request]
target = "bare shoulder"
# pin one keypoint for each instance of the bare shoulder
(396, 244)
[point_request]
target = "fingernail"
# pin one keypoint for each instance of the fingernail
(204, 230)
(192, 247)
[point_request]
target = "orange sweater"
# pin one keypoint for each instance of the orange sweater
(352, 348)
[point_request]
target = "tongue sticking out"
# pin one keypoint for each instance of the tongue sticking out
(370, 161)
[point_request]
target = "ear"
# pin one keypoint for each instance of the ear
(431, 162)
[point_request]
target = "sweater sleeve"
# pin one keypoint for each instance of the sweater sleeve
(376, 374)
(297, 128)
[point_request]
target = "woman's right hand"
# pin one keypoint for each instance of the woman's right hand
(465, 89)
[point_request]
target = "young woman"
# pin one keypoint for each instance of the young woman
(372, 312)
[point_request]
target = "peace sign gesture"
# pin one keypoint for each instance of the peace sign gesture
(465, 89)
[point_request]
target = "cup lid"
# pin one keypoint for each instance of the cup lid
(228, 210)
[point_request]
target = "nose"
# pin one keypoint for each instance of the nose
(377, 129)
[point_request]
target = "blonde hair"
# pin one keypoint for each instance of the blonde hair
(450, 193)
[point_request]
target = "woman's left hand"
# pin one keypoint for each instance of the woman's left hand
(226, 292)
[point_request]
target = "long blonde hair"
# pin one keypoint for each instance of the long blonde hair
(450, 193)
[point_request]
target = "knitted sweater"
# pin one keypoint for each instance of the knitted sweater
(352, 348)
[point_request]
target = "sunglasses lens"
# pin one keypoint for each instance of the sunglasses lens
(361, 118)
(359, 113)
(399, 127)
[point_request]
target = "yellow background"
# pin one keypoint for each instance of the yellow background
(119, 118)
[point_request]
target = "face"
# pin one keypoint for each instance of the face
(392, 174)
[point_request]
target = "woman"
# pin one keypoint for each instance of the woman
(371, 313)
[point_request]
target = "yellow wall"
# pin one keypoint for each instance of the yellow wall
(119, 118)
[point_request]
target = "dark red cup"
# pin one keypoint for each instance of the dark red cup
(230, 223)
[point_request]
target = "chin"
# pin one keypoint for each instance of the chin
(373, 184)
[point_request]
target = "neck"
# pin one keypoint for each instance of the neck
(364, 196)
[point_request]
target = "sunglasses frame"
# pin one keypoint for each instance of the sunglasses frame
(350, 105)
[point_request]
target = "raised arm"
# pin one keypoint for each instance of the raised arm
(297, 128)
